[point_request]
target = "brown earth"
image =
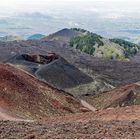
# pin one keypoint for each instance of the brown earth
(119, 114)
(92, 129)
(113, 123)
(23, 96)
(127, 95)
(33, 109)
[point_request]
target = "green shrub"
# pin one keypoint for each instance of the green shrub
(86, 43)
(130, 48)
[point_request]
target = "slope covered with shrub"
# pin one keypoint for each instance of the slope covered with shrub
(87, 42)
(130, 48)
(98, 46)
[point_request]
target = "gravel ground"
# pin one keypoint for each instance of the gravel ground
(92, 129)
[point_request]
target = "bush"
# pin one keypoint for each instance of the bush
(87, 42)
(130, 48)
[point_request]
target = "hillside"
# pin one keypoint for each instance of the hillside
(59, 115)
(63, 35)
(123, 96)
(105, 74)
(63, 75)
(52, 69)
(130, 48)
(98, 46)
(51, 90)
(22, 96)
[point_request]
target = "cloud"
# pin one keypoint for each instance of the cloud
(103, 7)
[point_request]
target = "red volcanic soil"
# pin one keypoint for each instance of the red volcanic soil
(25, 97)
(113, 123)
(119, 97)
(56, 114)
(119, 114)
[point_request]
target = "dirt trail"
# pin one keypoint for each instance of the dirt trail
(87, 105)
(5, 116)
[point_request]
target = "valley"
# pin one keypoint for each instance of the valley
(54, 87)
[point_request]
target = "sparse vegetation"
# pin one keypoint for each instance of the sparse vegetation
(110, 52)
(130, 48)
(86, 43)
(93, 44)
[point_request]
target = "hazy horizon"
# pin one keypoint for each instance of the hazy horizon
(19, 6)
(111, 18)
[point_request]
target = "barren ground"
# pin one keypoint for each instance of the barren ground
(111, 123)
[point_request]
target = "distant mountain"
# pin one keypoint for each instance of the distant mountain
(36, 37)
(89, 43)
(94, 44)
(10, 38)
(64, 35)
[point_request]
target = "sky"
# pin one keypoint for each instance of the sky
(106, 17)
(16, 6)
(108, 9)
